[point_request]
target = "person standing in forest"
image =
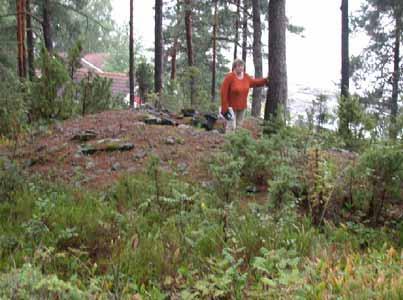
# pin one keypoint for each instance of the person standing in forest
(234, 91)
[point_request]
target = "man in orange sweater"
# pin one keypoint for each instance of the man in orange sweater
(235, 89)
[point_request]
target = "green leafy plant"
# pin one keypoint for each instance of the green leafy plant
(226, 170)
(46, 98)
(224, 279)
(320, 179)
(11, 180)
(30, 283)
(13, 110)
(380, 171)
(94, 95)
(277, 269)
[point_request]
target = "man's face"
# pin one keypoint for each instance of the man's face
(239, 69)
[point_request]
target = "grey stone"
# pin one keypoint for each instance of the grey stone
(182, 167)
(84, 136)
(78, 154)
(170, 140)
(139, 155)
(184, 126)
(89, 165)
(116, 166)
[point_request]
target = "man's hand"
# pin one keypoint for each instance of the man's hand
(227, 115)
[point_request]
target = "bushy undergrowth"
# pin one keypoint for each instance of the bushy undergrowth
(13, 109)
(155, 236)
(51, 95)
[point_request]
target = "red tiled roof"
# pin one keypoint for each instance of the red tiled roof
(96, 59)
(95, 62)
(120, 81)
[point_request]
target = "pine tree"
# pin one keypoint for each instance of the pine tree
(257, 96)
(158, 48)
(382, 21)
(277, 92)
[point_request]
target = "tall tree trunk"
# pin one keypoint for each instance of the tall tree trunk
(131, 57)
(213, 77)
(237, 28)
(257, 96)
(173, 59)
(158, 51)
(277, 92)
(21, 31)
(396, 72)
(189, 45)
(245, 30)
(345, 59)
(30, 42)
(174, 50)
(46, 25)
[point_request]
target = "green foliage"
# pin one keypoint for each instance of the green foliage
(87, 20)
(45, 98)
(277, 121)
(30, 283)
(74, 58)
(11, 180)
(319, 111)
(8, 57)
(373, 69)
(320, 179)
(88, 245)
(277, 269)
(118, 50)
(380, 172)
(351, 115)
(57, 229)
(94, 95)
(223, 280)
(285, 180)
(157, 236)
(267, 158)
(144, 77)
(254, 154)
(201, 99)
(250, 230)
(173, 98)
(226, 170)
(12, 108)
(343, 276)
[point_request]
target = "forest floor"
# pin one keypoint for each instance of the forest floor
(56, 155)
(115, 237)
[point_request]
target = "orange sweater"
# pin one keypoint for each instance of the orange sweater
(234, 91)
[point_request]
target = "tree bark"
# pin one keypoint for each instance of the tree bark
(131, 57)
(30, 42)
(46, 25)
(21, 30)
(257, 96)
(213, 77)
(277, 92)
(236, 29)
(396, 72)
(158, 51)
(189, 45)
(345, 59)
(245, 30)
(173, 59)
(174, 50)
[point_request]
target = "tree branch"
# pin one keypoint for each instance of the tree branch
(80, 13)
